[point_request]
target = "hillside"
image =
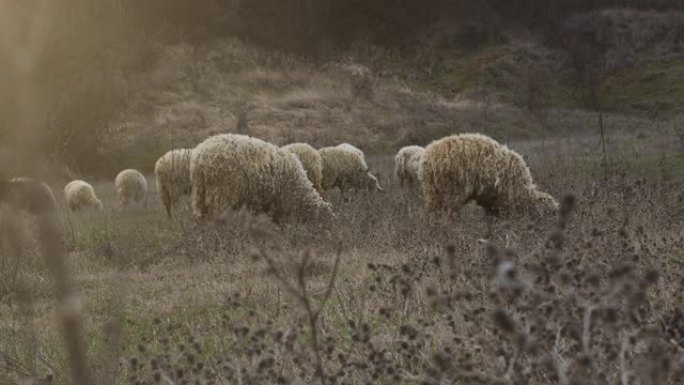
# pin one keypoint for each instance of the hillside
(516, 89)
(381, 77)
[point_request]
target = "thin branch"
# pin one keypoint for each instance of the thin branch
(624, 370)
(303, 297)
(586, 327)
(331, 283)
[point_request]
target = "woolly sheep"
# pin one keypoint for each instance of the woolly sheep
(130, 186)
(461, 168)
(344, 166)
(407, 165)
(172, 173)
(231, 171)
(311, 161)
(27, 194)
(80, 194)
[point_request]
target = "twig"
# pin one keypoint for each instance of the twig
(331, 283)
(67, 301)
(303, 297)
(586, 327)
(559, 362)
(511, 366)
(624, 370)
(604, 161)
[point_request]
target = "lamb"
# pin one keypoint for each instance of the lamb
(230, 171)
(461, 168)
(407, 165)
(344, 166)
(311, 161)
(131, 185)
(172, 173)
(80, 194)
(28, 194)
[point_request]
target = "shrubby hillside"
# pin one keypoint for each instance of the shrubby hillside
(108, 81)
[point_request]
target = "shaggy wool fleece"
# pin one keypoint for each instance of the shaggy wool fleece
(80, 194)
(473, 167)
(407, 165)
(29, 195)
(172, 172)
(231, 171)
(344, 167)
(311, 161)
(131, 186)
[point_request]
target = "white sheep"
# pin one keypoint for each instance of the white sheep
(311, 160)
(131, 185)
(172, 173)
(28, 194)
(462, 168)
(80, 194)
(344, 167)
(407, 165)
(230, 171)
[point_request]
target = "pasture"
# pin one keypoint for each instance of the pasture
(381, 295)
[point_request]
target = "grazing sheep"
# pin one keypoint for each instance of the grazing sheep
(344, 166)
(80, 194)
(352, 148)
(407, 165)
(172, 171)
(461, 168)
(311, 161)
(131, 186)
(230, 171)
(27, 194)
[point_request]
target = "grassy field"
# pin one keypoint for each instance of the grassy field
(381, 295)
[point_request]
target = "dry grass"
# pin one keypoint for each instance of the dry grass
(194, 91)
(592, 298)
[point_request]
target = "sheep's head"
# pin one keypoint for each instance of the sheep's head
(98, 205)
(373, 183)
(544, 203)
(324, 212)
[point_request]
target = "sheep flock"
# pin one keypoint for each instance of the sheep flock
(230, 171)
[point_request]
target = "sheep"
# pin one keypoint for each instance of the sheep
(231, 171)
(29, 195)
(79, 194)
(172, 173)
(311, 161)
(461, 168)
(407, 165)
(344, 166)
(131, 185)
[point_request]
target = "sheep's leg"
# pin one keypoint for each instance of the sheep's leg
(198, 198)
(166, 199)
(454, 204)
(435, 207)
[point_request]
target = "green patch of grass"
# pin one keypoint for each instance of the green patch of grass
(655, 87)
(502, 72)
(671, 165)
(117, 236)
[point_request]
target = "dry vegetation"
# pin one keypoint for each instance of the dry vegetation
(381, 295)
(591, 297)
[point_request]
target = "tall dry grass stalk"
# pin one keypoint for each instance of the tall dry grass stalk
(24, 31)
